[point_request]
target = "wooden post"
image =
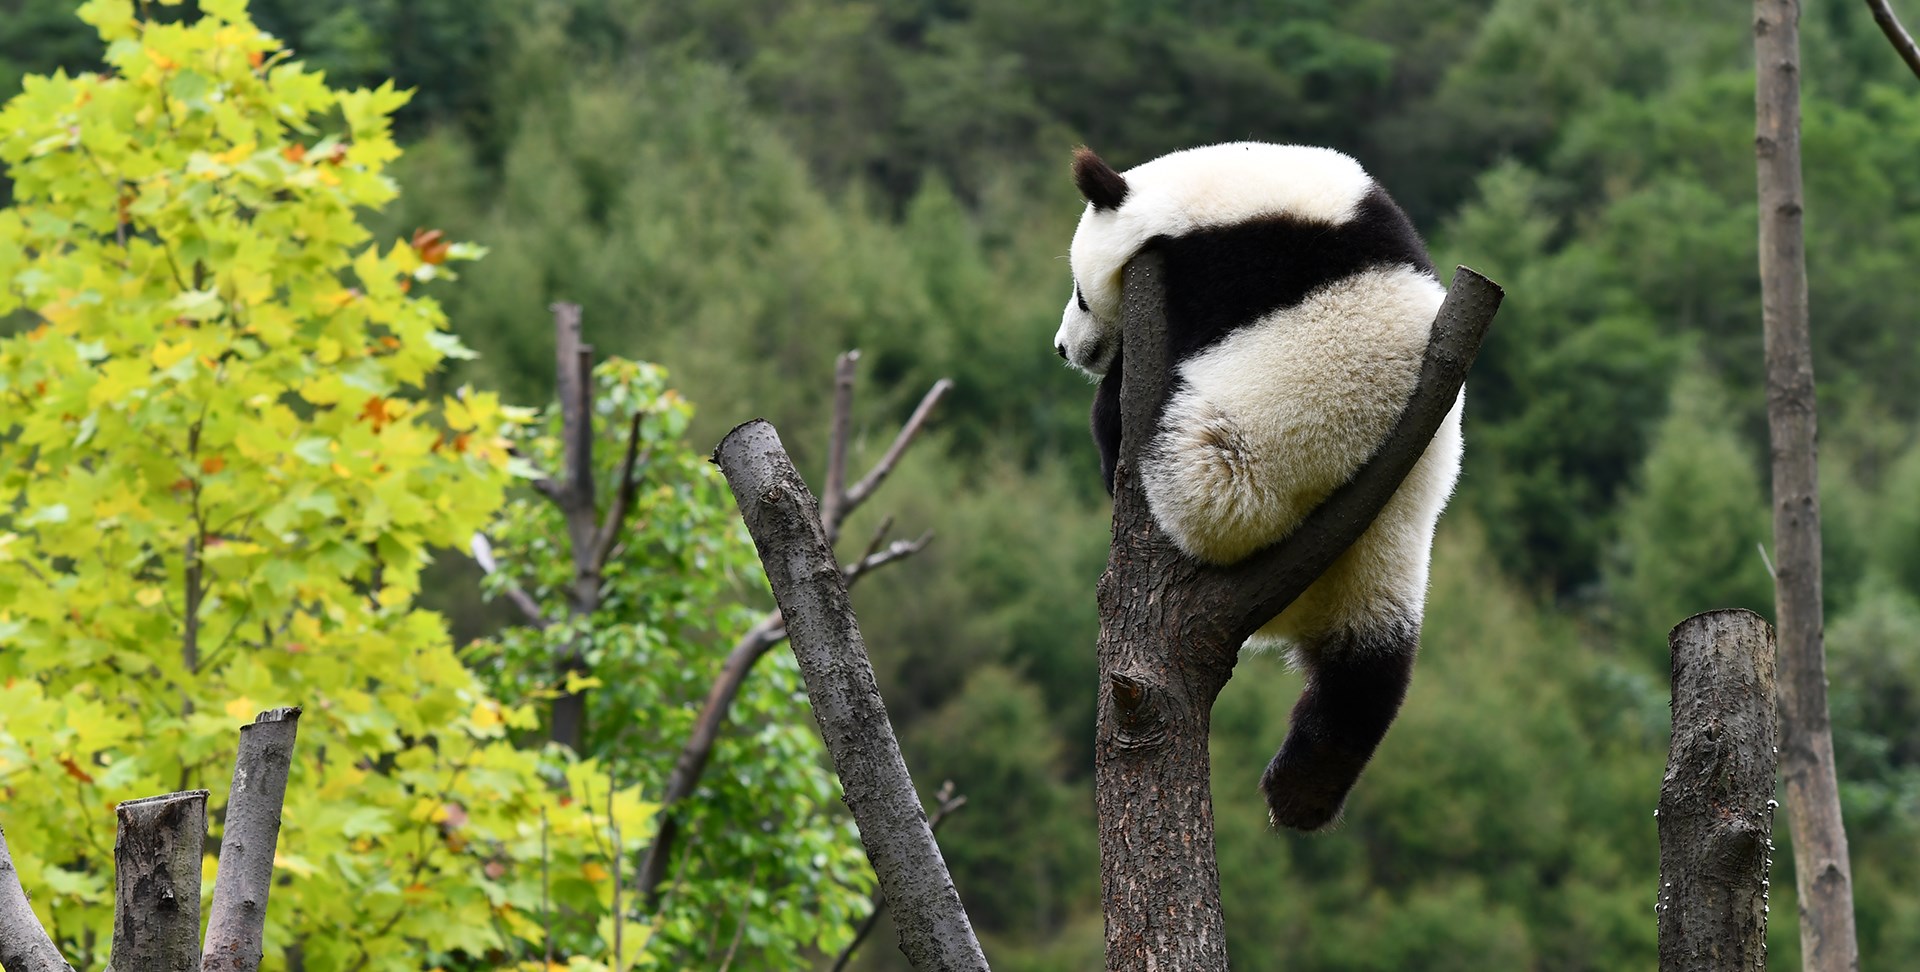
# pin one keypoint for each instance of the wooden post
(237, 925)
(156, 893)
(1716, 801)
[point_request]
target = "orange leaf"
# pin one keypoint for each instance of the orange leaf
(212, 464)
(254, 58)
(375, 411)
(74, 770)
(294, 153)
(432, 245)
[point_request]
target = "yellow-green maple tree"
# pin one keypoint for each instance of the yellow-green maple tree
(219, 481)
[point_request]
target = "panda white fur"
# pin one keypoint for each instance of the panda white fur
(1299, 301)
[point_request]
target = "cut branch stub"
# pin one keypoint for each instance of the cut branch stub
(156, 902)
(807, 582)
(237, 924)
(1716, 800)
(24, 945)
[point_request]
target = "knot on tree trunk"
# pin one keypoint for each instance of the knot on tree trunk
(1139, 710)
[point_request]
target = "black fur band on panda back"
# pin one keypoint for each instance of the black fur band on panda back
(1220, 278)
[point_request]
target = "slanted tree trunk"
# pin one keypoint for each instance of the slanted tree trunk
(1821, 869)
(1716, 801)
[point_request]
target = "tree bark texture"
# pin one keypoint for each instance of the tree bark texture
(24, 945)
(1821, 869)
(252, 831)
(810, 588)
(156, 901)
(1171, 631)
(1716, 800)
(573, 379)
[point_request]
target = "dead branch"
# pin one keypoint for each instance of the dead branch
(834, 496)
(156, 876)
(858, 492)
(1896, 35)
(628, 484)
(782, 517)
(1822, 869)
(1716, 801)
(252, 830)
(24, 945)
(945, 804)
(876, 559)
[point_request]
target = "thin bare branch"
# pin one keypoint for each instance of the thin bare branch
(945, 804)
(1896, 35)
(740, 929)
(833, 499)
(893, 552)
(859, 492)
(879, 536)
(784, 521)
(626, 486)
(692, 761)
(237, 924)
(24, 945)
(482, 550)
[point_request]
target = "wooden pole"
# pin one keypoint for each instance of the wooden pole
(1821, 869)
(1716, 801)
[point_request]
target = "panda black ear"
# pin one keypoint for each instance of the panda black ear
(1103, 187)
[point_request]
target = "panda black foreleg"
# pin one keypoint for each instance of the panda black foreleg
(1355, 684)
(1106, 422)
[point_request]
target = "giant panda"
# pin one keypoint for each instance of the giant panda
(1299, 301)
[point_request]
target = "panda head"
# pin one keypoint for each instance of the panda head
(1176, 194)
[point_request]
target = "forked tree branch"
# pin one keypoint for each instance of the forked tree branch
(1171, 629)
(1716, 800)
(236, 927)
(1896, 35)
(24, 945)
(784, 521)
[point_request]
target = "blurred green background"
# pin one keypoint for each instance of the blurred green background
(741, 189)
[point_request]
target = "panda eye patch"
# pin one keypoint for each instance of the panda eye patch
(1081, 299)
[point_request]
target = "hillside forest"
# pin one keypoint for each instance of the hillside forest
(737, 191)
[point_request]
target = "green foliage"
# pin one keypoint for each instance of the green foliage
(220, 484)
(1693, 527)
(761, 849)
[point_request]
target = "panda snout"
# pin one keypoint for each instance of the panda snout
(1060, 348)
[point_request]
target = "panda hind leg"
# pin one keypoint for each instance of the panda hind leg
(1355, 682)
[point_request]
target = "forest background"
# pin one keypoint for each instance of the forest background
(741, 189)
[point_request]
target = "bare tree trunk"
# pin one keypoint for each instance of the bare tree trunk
(156, 901)
(811, 589)
(1716, 801)
(236, 928)
(1171, 630)
(1821, 870)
